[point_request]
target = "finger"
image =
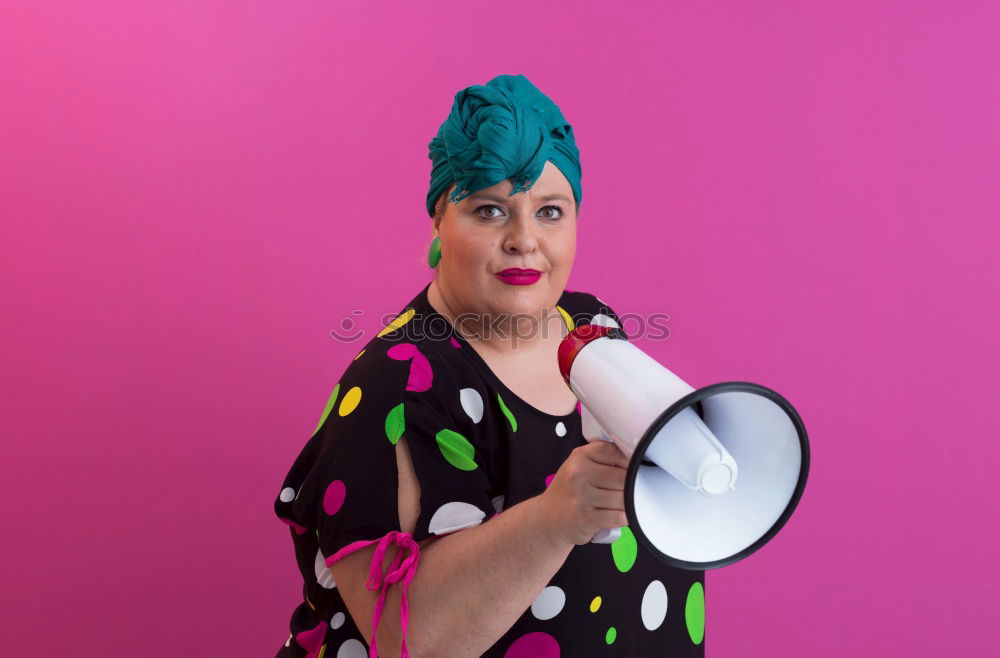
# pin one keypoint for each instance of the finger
(605, 499)
(610, 518)
(604, 452)
(604, 476)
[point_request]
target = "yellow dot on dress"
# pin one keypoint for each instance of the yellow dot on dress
(400, 320)
(566, 318)
(350, 401)
(359, 354)
(595, 604)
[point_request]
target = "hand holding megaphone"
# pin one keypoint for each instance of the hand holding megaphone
(587, 493)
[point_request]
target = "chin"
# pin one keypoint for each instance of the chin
(530, 299)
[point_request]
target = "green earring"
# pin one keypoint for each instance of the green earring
(434, 253)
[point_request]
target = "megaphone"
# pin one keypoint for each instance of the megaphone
(713, 473)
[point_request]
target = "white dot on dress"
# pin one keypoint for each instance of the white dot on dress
(604, 320)
(560, 429)
(337, 620)
(352, 649)
(472, 403)
(288, 641)
(287, 495)
(455, 516)
(654, 605)
(323, 574)
(549, 603)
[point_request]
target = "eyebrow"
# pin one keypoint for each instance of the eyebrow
(490, 197)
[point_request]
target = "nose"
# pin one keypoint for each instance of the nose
(520, 238)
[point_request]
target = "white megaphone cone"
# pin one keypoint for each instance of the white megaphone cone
(713, 473)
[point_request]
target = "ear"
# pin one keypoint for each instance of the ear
(440, 208)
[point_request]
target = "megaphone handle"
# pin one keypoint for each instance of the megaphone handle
(606, 536)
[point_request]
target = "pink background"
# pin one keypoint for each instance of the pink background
(193, 194)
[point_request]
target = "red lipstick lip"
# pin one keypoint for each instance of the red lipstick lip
(517, 277)
(517, 271)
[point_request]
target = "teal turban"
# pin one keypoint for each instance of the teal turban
(504, 129)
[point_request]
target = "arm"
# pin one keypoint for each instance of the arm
(460, 576)
(497, 568)
(470, 588)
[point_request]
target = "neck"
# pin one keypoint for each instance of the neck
(521, 334)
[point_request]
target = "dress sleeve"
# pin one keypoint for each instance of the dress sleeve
(586, 308)
(348, 489)
(604, 315)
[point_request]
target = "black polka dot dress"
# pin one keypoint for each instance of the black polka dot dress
(477, 449)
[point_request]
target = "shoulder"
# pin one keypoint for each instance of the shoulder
(396, 363)
(410, 360)
(587, 308)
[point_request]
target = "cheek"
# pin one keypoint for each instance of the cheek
(467, 254)
(565, 251)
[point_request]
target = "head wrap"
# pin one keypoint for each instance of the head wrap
(506, 128)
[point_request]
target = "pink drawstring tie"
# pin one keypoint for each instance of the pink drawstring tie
(404, 568)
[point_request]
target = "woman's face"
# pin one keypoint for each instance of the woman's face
(491, 231)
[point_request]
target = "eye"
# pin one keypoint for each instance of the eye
(490, 205)
(561, 211)
(560, 214)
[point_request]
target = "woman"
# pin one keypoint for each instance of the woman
(445, 504)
